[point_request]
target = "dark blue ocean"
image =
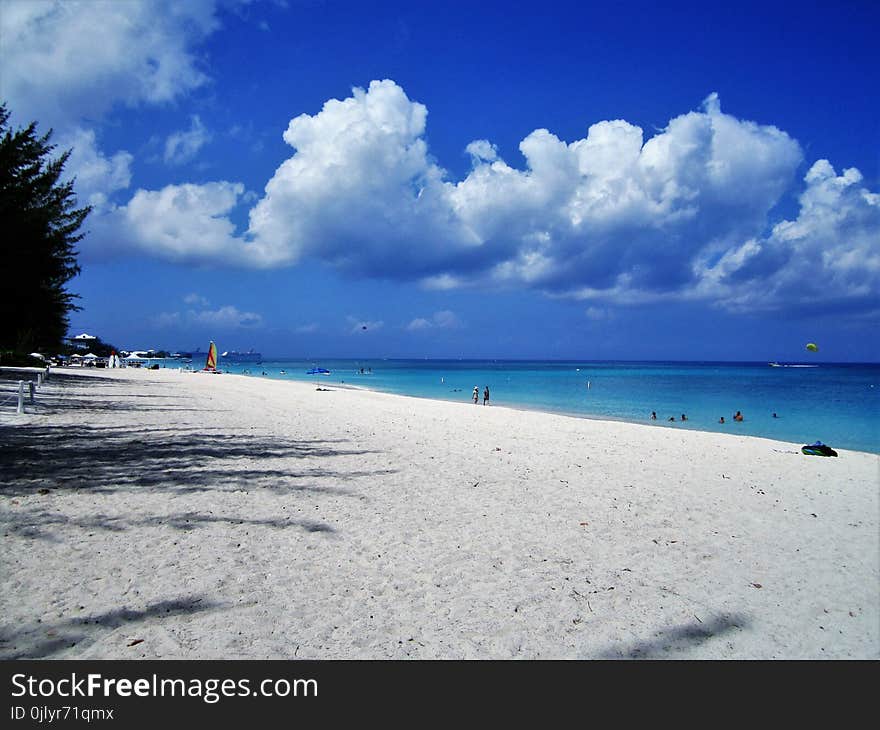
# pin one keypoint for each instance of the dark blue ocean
(838, 404)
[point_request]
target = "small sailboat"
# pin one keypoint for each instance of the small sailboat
(211, 361)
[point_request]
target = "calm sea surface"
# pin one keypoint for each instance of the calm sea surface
(838, 404)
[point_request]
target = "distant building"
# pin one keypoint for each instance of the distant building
(83, 341)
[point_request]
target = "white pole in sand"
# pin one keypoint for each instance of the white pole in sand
(39, 378)
(20, 408)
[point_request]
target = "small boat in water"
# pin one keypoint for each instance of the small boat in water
(318, 371)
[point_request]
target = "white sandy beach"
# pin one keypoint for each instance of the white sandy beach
(161, 514)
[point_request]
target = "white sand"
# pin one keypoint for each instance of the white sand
(231, 517)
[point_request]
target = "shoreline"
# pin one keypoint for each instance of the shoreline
(660, 423)
(853, 431)
(214, 517)
(755, 428)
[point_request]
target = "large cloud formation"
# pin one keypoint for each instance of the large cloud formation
(608, 217)
(612, 217)
(185, 224)
(67, 63)
(88, 56)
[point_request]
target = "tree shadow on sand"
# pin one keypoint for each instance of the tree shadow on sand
(677, 641)
(92, 395)
(92, 458)
(43, 640)
(54, 479)
(98, 459)
(44, 525)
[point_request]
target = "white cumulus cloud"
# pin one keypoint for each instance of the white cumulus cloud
(182, 223)
(87, 56)
(196, 300)
(829, 256)
(97, 176)
(612, 217)
(184, 145)
(444, 319)
(360, 191)
(225, 317)
(593, 218)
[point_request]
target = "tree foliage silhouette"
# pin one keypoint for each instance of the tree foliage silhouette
(40, 224)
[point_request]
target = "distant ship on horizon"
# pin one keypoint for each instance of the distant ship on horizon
(235, 356)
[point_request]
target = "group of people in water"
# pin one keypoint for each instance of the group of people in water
(738, 416)
(671, 418)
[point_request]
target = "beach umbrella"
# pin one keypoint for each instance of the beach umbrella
(812, 347)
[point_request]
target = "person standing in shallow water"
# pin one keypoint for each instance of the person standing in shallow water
(486, 396)
(476, 394)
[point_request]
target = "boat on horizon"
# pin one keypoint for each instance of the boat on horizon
(318, 371)
(235, 356)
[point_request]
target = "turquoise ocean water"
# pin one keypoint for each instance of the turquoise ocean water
(838, 404)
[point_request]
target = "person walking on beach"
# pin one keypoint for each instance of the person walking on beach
(486, 396)
(476, 394)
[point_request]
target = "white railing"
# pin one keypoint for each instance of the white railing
(24, 393)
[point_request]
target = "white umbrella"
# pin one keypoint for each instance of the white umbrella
(90, 356)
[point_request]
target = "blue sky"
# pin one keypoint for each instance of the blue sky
(478, 180)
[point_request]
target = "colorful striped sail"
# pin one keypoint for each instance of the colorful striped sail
(211, 362)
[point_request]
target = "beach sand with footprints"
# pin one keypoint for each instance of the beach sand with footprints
(175, 515)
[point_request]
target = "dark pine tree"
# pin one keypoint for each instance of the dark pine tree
(40, 224)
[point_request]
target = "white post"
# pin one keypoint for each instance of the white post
(31, 387)
(20, 408)
(39, 378)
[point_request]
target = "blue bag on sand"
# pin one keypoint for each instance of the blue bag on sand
(818, 449)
